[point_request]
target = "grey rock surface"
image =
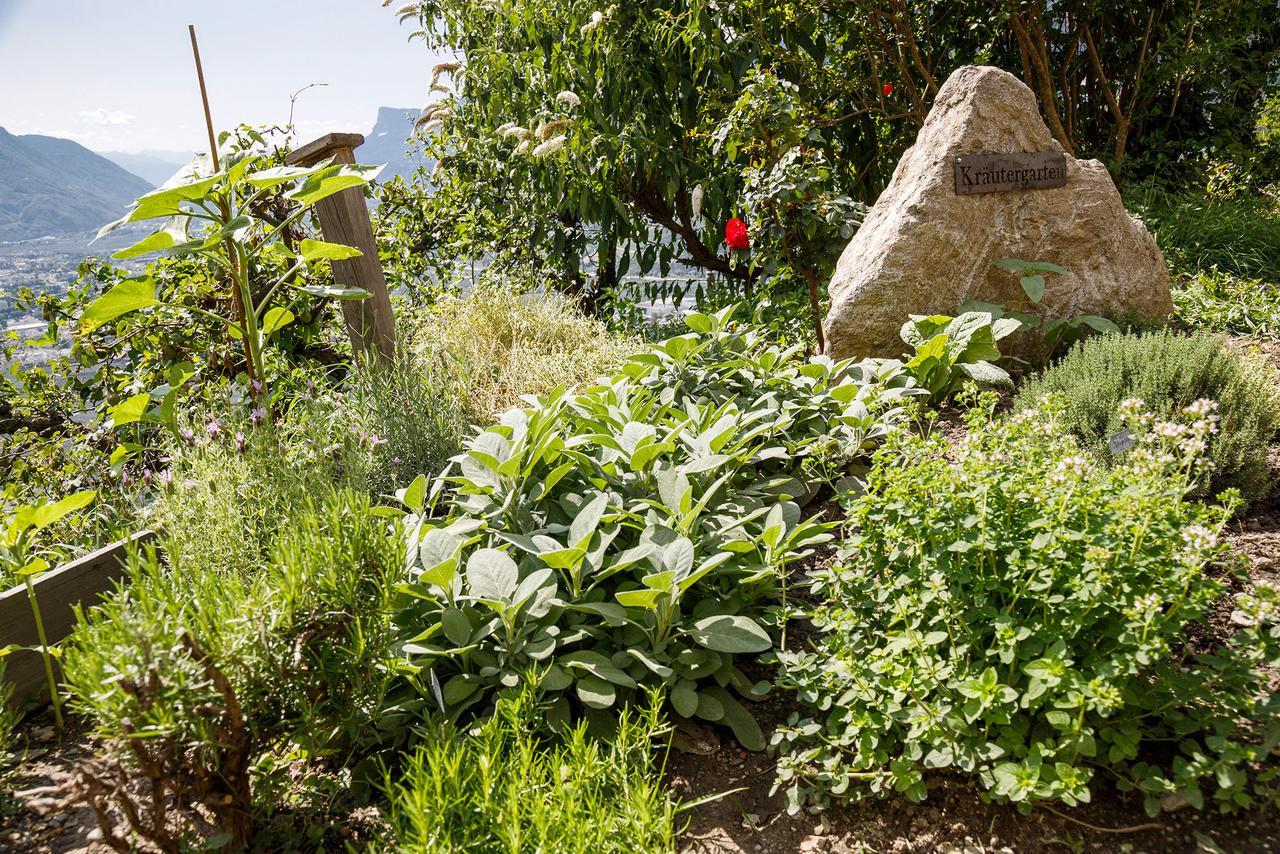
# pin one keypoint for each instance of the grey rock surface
(923, 249)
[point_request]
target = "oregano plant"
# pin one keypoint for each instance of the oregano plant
(1009, 610)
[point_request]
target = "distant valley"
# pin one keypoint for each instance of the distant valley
(51, 186)
(154, 167)
(55, 194)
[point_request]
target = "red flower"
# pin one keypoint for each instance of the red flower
(735, 234)
(887, 90)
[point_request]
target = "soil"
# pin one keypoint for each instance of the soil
(747, 817)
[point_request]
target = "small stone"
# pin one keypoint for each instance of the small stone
(43, 733)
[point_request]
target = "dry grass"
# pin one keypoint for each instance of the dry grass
(503, 344)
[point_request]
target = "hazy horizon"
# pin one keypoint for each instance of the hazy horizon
(124, 80)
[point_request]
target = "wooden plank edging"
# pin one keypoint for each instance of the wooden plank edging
(82, 581)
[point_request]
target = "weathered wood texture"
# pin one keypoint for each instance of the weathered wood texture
(344, 218)
(81, 581)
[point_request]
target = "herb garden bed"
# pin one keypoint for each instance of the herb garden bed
(58, 592)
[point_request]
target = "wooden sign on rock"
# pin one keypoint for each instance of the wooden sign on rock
(1019, 170)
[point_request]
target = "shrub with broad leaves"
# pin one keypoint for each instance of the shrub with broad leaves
(635, 534)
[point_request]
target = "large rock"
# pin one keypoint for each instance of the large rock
(925, 250)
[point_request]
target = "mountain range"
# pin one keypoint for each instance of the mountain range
(386, 143)
(52, 186)
(154, 167)
(55, 186)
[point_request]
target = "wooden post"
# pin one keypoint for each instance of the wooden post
(344, 218)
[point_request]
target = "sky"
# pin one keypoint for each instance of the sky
(117, 75)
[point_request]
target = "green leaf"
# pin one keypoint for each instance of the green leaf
(413, 495)
(737, 718)
(1019, 266)
(597, 665)
(332, 179)
(335, 291)
(457, 628)
(34, 568)
(986, 373)
(684, 698)
(644, 598)
(129, 295)
(596, 693)
(1033, 286)
(156, 242)
(730, 633)
(315, 250)
(276, 319)
(130, 411)
(267, 178)
(1098, 324)
(934, 348)
(492, 574)
(47, 514)
(709, 707)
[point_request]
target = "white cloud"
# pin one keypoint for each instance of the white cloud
(103, 116)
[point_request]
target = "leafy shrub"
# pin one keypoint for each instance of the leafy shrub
(951, 351)
(1169, 372)
(405, 417)
(1239, 235)
(227, 493)
(1225, 302)
(634, 535)
(195, 677)
(500, 787)
(1018, 614)
(504, 344)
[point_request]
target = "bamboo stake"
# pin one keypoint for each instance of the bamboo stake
(257, 386)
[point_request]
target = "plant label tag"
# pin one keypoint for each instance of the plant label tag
(1121, 442)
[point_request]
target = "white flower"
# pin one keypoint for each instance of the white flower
(1201, 408)
(523, 148)
(546, 130)
(406, 10)
(1199, 537)
(439, 87)
(443, 68)
(597, 18)
(514, 130)
(1131, 407)
(696, 201)
(551, 146)
(431, 125)
(569, 99)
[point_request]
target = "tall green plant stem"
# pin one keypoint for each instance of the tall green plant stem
(44, 653)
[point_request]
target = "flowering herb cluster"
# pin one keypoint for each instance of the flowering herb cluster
(1014, 610)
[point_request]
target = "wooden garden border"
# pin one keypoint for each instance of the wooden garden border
(82, 581)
